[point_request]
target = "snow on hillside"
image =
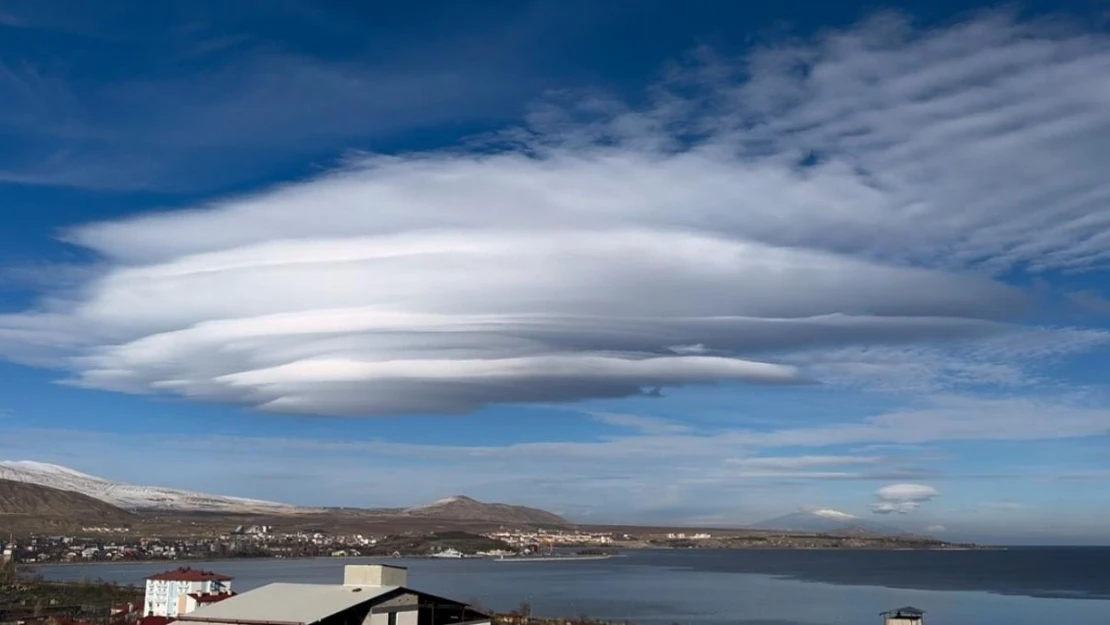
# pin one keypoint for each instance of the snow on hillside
(833, 514)
(439, 503)
(128, 495)
(825, 520)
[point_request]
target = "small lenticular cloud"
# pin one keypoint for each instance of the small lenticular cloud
(902, 498)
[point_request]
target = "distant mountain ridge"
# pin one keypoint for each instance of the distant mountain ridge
(463, 508)
(43, 502)
(125, 496)
(129, 496)
(825, 520)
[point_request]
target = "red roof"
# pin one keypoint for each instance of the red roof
(188, 574)
(123, 608)
(155, 620)
(212, 597)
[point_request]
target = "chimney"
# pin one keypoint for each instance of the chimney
(374, 575)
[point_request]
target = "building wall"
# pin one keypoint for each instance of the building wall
(166, 597)
(156, 598)
(404, 609)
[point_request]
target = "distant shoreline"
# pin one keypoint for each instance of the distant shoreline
(184, 561)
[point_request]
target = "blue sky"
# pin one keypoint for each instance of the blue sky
(650, 261)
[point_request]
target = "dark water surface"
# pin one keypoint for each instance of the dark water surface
(1035, 586)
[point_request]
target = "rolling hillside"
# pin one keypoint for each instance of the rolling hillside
(34, 501)
(156, 502)
(130, 496)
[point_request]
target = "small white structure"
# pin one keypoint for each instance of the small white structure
(908, 615)
(182, 590)
(369, 595)
(375, 575)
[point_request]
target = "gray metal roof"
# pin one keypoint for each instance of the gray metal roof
(287, 603)
(906, 611)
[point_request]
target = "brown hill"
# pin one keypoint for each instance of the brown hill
(22, 503)
(461, 508)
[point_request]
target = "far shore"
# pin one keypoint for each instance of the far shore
(32, 566)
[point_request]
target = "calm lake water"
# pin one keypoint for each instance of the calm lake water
(749, 587)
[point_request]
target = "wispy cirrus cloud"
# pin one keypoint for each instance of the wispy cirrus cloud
(1001, 506)
(1020, 358)
(733, 449)
(642, 423)
(801, 462)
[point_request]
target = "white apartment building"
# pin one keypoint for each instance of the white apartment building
(182, 590)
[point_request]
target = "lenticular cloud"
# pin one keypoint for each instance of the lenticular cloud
(451, 319)
(902, 498)
(568, 263)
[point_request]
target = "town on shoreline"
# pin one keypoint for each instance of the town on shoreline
(108, 544)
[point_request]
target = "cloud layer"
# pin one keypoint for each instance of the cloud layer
(749, 212)
(902, 498)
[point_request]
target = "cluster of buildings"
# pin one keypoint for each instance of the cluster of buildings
(44, 549)
(525, 538)
(685, 536)
(374, 594)
(251, 541)
(265, 535)
(105, 529)
(253, 530)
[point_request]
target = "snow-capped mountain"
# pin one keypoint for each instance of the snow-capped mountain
(825, 520)
(129, 496)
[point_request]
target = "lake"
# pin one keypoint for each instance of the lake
(1023, 586)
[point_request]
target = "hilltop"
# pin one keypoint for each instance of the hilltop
(463, 508)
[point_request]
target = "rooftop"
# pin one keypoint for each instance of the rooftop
(211, 597)
(291, 604)
(189, 574)
(906, 611)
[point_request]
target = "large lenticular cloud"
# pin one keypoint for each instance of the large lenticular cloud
(451, 319)
(779, 211)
